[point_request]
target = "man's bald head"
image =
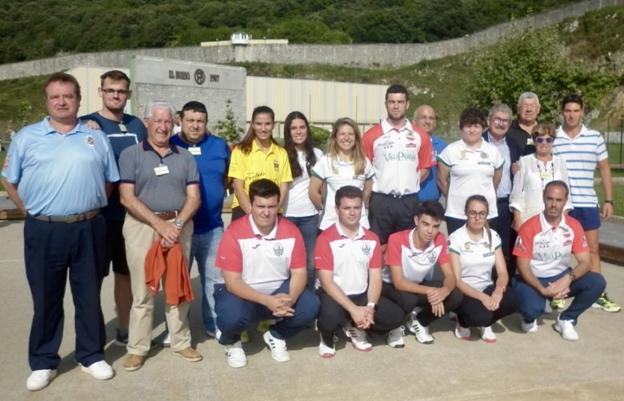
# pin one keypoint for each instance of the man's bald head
(425, 117)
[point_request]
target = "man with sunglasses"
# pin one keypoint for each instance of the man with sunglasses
(122, 130)
(499, 121)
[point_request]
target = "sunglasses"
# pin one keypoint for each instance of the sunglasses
(548, 139)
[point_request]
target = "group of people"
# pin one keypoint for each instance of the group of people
(350, 238)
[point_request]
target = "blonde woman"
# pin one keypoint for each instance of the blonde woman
(344, 164)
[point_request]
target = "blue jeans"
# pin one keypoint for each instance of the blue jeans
(234, 314)
(308, 225)
(585, 290)
(204, 251)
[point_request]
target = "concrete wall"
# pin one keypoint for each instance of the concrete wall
(370, 56)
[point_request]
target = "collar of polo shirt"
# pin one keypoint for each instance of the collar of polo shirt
(360, 233)
(546, 226)
(413, 247)
(147, 146)
(270, 236)
(386, 127)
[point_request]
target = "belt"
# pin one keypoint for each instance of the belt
(395, 196)
(72, 218)
(503, 199)
(168, 215)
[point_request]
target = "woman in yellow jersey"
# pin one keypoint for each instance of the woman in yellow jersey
(258, 156)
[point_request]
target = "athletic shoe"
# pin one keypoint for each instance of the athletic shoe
(395, 337)
(566, 329)
(166, 342)
(358, 337)
(558, 304)
(99, 370)
(133, 362)
(277, 347)
(487, 335)
(325, 351)
(463, 333)
(603, 302)
(121, 338)
(39, 379)
(530, 327)
(235, 354)
(421, 332)
(189, 354)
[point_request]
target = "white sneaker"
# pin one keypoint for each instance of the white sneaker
(566, 329)
(463, 333)
(395, 337)
(487, 335)
(99, 370)
(530, 327)
(421, 332)
(277, 347)
(235, 354)
(325, 351)
(358, 337)
(39, 379)
(166, 342)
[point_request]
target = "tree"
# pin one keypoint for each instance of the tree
(534, 61)
(228, 129)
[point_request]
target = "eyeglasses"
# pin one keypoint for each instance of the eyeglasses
(501, 121)
(548, 139)
(474, 213)
(121, 92)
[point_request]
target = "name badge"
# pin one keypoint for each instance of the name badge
(122, 128)
(161, 170)
(195, 150)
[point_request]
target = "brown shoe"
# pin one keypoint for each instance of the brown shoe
(189, 354)
(133, 362)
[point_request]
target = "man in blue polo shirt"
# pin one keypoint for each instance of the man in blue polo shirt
(57, 172)
(426, 118)
(122, 130)
(212, 156)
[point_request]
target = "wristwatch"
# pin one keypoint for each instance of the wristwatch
(372, 305)
(609, 201)
(179, 223)
(572, 275)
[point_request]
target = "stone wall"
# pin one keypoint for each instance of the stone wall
(361, 55)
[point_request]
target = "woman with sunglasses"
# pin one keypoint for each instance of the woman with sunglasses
(474, 250)
(536, 170)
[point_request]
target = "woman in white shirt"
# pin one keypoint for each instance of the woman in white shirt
(536, 170)
(467, 167)
(299, 209)
(474, 250)
(343, 164)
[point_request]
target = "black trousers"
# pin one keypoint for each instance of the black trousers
(472, 312)
(52, 250)
(404, 302)
(332, 315)
(388, 214)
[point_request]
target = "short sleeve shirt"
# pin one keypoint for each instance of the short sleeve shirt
(471, 172)
(212, 156)
(349, 259)
(390, 150)
(263, 261)
(142, 166)
(249, 167)
(429, 188)
(581, 153)
(476, 257)
(298, 203)
(60, 174)
(549, 247)
(416, 264)
(337, 174)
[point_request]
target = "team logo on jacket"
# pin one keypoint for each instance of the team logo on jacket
(90, 141)
(366, 249)
(278, 249)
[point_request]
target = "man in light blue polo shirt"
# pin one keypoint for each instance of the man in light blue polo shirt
(584, 149)
(57, 172)
(426, 118)
(213, 157)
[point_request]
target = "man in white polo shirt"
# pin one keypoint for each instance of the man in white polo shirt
(348, 262)
(584, 149)
(544, 245)
(411, 258)
(400, 153)
(263, 261)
